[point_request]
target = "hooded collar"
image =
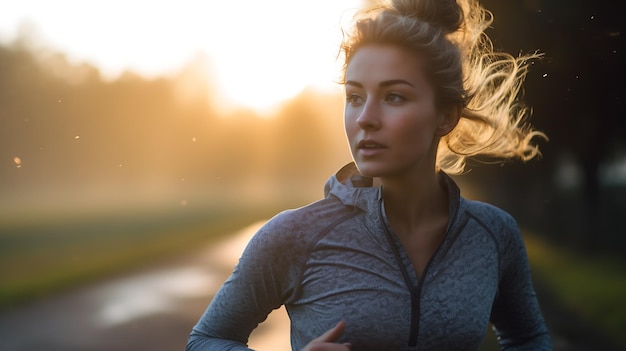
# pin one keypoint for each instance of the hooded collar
(353, 188)
(357, 190)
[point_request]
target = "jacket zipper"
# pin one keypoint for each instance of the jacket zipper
(415, 291)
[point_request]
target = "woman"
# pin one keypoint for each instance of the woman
(393, 258)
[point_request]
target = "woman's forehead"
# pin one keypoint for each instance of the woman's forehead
(384, 62)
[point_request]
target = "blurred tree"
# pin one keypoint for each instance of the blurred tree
(576, 91)
(304, 140)
(75, 132)
(76, 135)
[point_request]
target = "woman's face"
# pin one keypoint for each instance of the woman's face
(391, 121)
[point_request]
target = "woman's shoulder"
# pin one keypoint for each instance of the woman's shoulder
(493, 218)
(288, 238)
(311, 218)
(499, 224)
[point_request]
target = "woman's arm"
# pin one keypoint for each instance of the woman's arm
(257, 286)
(516, 315)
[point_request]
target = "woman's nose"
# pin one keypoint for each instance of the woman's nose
(369, 116)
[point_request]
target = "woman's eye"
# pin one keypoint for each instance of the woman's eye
(353, 99)
(394, 98)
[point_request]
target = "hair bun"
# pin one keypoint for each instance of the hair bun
(445, 14)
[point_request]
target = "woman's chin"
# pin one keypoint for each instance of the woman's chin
(369, 170)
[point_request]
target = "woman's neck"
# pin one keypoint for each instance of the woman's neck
(414, 203)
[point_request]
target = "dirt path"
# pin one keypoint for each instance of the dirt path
(151, 309)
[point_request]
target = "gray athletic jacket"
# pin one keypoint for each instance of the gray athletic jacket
(339, 259)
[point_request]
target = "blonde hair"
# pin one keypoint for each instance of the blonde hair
(464, 69)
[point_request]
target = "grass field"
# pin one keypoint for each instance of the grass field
(593, 287)
(39, 257)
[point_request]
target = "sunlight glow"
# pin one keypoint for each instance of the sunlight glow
(259, 52)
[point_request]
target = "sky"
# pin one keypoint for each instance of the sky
(259, 52)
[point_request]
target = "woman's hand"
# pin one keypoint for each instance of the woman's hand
(325, 342)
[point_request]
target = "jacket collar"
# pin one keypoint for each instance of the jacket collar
(357, 190)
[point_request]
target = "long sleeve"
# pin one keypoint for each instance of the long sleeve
(516, 314)
(258, 284)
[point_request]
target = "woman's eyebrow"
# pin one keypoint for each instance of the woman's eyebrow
(394, 82)
(354, 84)
(383, 84)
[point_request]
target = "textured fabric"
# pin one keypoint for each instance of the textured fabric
(339, 259)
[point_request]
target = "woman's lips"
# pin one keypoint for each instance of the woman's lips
(369, 148)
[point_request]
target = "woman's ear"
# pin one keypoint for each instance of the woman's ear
(451, 115)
